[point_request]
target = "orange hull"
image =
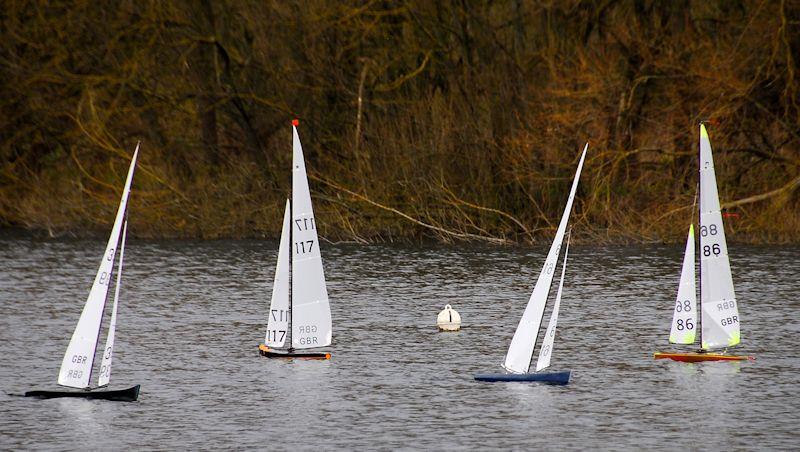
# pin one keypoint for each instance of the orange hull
(698, 357)
(270, 353)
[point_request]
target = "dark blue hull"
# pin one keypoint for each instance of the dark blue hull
(553, 378)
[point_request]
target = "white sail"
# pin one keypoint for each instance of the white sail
(518, 358)
(278, 317)
(76, 367)
(108, 353)
(684, 320)
(546, 350)
(311, 314)
(717, 298)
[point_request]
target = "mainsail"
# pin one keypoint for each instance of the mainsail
(717, 298)
(520, 352)
(311, 315)
(278, 323)
(76, 367)
(684, 320)
(546, 350)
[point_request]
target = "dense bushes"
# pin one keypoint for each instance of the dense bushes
(452, 119)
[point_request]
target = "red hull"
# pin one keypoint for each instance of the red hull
(698, 357)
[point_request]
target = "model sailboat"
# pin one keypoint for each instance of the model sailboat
(520, 352)
(76, 367)
(719, 321)
(299, 318)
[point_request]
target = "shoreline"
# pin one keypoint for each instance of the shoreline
(592, 238)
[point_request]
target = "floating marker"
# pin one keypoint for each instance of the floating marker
(448, 319)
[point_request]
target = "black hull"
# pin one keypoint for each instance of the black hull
(120, 395)
(272, 353)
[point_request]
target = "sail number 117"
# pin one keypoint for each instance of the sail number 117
(279, 315)
(304, 224)
(272, 335)
(303, 247)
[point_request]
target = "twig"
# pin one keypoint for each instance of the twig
(755, 198)
(445, 232)
(487, 209)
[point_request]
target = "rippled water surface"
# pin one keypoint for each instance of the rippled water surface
(193, 313)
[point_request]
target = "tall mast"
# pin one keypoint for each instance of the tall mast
(291, 277)
(699, 238)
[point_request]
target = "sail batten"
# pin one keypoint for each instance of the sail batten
(684, 318)
(719, 309)
(278, 316)
(520, 352)
(77, 364)
(311, 317)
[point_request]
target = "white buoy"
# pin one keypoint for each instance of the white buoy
(448, 319)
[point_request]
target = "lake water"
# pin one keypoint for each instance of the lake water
(193, 313)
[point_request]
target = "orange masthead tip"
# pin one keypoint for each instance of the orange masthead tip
(295, 122)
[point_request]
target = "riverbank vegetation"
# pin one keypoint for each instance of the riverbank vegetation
(453, 119)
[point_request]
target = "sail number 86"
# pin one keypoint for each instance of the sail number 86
(681, 324)
(713, 249)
